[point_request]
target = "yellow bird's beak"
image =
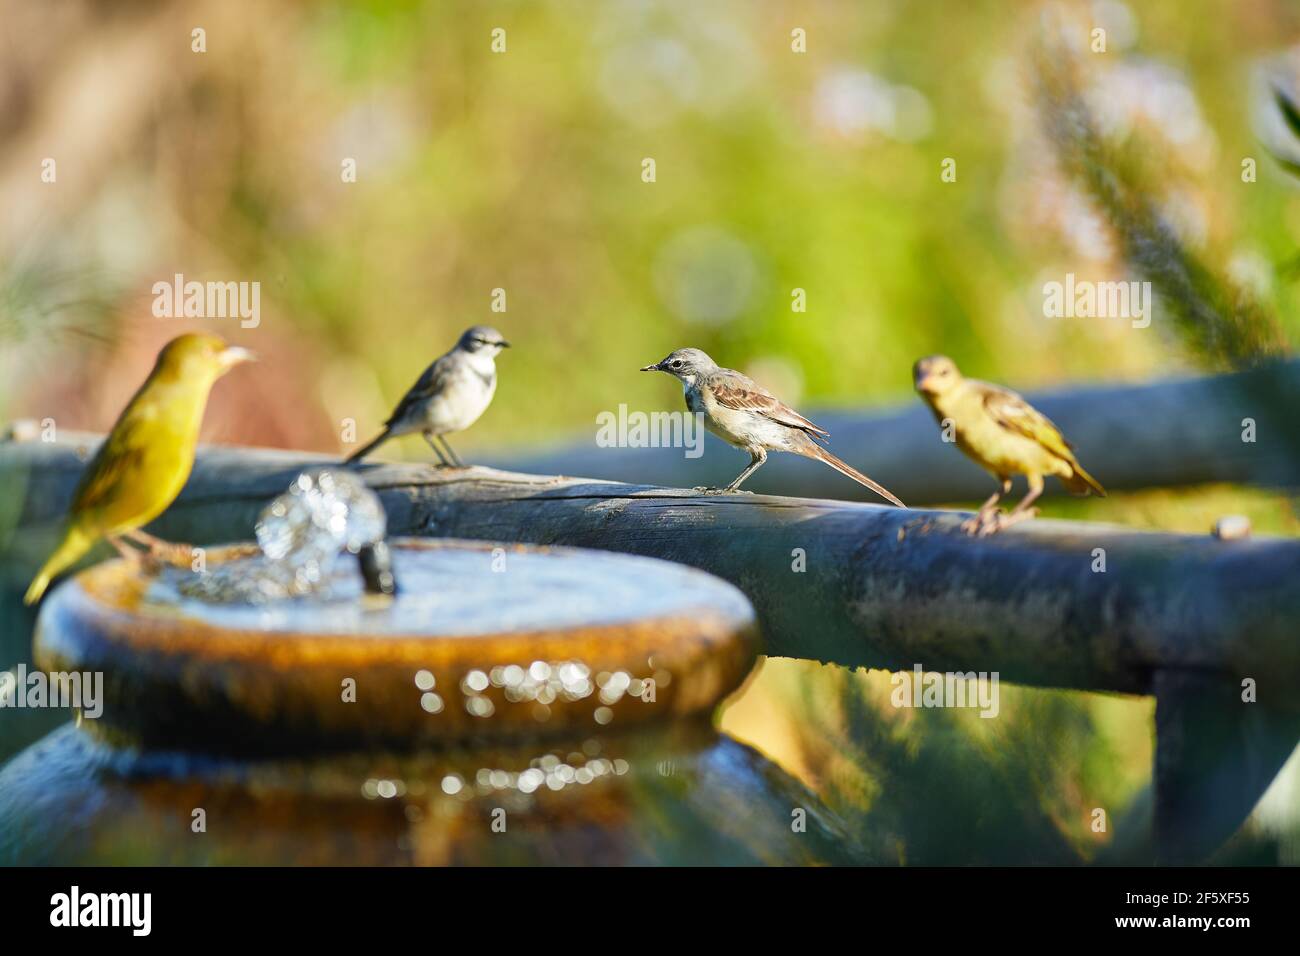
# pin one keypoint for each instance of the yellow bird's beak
(233, 355)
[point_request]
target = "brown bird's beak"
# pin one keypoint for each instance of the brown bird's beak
(234, 355)
(504, 344)
(651, 368)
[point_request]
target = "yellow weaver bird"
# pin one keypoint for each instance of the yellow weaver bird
(146, 459)
(1003, 434)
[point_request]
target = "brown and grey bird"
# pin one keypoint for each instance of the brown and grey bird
(449, 397)
(746, 415)
(1003, 434)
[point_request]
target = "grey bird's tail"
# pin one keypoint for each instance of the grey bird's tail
(356, 456)
(821, 454)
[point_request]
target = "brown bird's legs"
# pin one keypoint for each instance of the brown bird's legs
(175, 553)
(153, 558)
(128, 553)
(976, 524)
(1022, 511)
(756, 458)
(1025, 508)
(144, 561)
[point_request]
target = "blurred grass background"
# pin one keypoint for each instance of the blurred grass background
(775, 170)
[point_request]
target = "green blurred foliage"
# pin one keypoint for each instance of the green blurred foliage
(521, 170)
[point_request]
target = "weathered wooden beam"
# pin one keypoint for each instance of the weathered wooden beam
(1179, 432)
(849, 583)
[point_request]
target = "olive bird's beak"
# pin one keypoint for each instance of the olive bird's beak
(504, 344)
(234, 355)
(651, 368)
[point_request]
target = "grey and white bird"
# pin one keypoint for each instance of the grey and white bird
(744, 414)
(449, 397)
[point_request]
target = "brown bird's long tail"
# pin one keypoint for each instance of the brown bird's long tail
(1082, 482)
(356, 456)
(75, 543)
(821, 454)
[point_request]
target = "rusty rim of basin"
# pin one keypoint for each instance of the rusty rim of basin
(484, 641)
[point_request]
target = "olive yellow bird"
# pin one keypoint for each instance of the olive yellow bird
(146, 459)
(1003, 434)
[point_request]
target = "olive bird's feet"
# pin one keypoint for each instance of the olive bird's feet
(128, 554)
(175, 553)
(1001, 522)
(977, 523)
(155, 560)
(171, 553)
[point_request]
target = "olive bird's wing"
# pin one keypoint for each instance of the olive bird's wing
(1015, 414)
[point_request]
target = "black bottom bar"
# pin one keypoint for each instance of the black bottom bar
(333, 906)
